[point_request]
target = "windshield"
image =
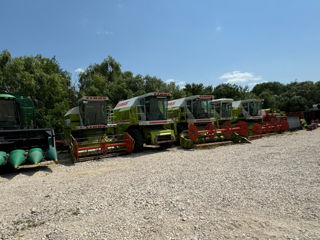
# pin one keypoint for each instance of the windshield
(226, 110)
(8, 116)
(202, 108)
(156, 108)
(216, 107)
(93, 113)
(255, 108)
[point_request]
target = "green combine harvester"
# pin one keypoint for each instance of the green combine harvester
(90, 133)
(193, 119)
(145, 119)
(20, 139)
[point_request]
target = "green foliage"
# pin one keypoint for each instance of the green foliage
(227, 90)
(275, 88)
(270, 100)
(42, 79)
(175, 91)
(295, 96)
(317, 92)
(106, 79)
(197, 89)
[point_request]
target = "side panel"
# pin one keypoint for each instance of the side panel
(125, 117)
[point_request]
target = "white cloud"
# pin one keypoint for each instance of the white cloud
(181, 84)
(218, 29)
(79, 70)
(239, 77)
(252, 84)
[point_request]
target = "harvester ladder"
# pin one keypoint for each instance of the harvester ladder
(110, 115)
(141, 116)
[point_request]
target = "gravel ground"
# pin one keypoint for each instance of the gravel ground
(269, 189)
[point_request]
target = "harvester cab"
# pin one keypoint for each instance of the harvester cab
(193, 119)
(20, 139)
(145, 119)
(222, 109)
(88, 132)
(249, 109)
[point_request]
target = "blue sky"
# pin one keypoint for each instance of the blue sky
(210, 42)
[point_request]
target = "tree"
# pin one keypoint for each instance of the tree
(42, 79)
(175, 91)
(270, 100)
(298, 96)
(107, 79)
(227, 90)
(100, 79)
(197, 89)
(154, 84)
(317, 92)
(275, 88)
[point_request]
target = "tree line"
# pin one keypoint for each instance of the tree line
(43, 79)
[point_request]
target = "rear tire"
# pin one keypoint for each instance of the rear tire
(138, 140)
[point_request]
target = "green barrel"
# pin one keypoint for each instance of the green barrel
(35, 155)
(3, 158)
(17, 157)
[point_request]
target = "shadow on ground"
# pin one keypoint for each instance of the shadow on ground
(8, 172)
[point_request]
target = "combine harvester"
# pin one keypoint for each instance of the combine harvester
(246, 118)
(88, 133)
(250, 110)
(223, 113)
(194, 122)
(145, 119)
(193, 119)
(20, 140)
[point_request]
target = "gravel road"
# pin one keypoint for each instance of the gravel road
(269, 189)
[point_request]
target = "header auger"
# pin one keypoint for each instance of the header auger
(89, 134)
(271, 124)
(20, 139)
